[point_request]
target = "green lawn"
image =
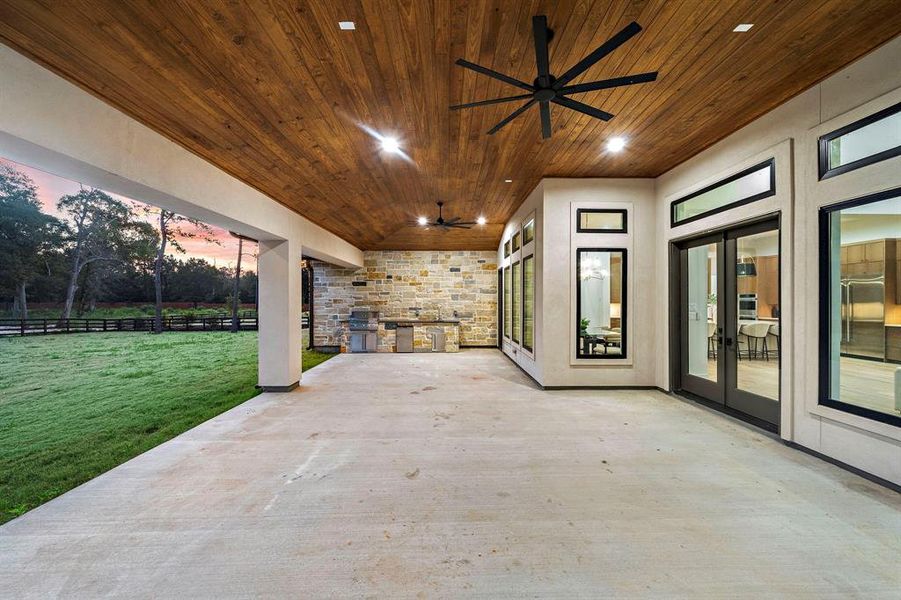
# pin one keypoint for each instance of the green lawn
(74, 406)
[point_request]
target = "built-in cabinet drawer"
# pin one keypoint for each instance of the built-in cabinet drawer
(893, 344)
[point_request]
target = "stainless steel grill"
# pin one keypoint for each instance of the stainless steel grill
(363, 320)
(363, 325)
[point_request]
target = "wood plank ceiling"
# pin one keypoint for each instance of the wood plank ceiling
(272, 92)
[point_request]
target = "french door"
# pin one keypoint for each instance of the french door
(729, 334)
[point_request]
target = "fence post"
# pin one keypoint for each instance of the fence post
(45, 326)
(22, 327)
(67, 325)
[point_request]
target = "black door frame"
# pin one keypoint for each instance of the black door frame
(723, 394)
(500, 307)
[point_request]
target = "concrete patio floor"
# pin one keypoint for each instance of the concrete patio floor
(451, 475)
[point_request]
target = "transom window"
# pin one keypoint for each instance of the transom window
(870, 140)
(747, 186)
(601, 220)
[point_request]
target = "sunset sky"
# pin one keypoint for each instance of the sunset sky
(51, 188)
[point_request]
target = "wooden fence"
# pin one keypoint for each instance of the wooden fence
(247, 321)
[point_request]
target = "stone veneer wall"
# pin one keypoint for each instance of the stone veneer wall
(396, 283)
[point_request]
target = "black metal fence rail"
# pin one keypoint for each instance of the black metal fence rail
(23, 327)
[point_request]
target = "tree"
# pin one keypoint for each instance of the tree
(25, 235)
(173, 228)
(236, 286)
(100, 228)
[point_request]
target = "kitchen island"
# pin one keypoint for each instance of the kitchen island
(418, 335)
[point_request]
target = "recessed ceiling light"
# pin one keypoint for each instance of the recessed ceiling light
(346, 25)
(422, 220)
(481, 220)
(616, 144)
(390, 144)
(508, 181)
(743, 27)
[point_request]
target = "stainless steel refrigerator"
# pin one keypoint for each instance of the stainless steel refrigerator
(863, 315)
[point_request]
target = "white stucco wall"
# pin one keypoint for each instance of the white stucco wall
(530, 361)
(789, 135)
(790, 132)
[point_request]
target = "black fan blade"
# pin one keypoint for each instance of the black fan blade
(600, 52)
(452, 221)
(582, 108)
(487, 102)
(512, 116)
(607, 83)
(539, 30)
(460, 226)
(495, 74)
(545, 119)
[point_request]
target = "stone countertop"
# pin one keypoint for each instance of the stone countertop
(405, 321)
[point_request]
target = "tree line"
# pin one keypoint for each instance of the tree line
(104, 250)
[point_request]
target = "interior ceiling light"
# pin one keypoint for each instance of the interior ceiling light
(346, 25)
(481, 220)
(422, 220)
(616, 144)
(508, 181)
(743, 27)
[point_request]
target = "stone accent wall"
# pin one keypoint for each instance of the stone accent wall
(397, 283)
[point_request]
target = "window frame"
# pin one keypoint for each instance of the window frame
(622, 211)
(770, 162)
(516, 240)
(531, 346)
(624, 304)
(529, 222)
(508, 279)
(823, 170)
(824, 397)
(516, 322)
(507, 246)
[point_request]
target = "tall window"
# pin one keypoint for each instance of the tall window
(517, 300)
(860, 306)
(528, 302)
(601, 303)
(508, 302)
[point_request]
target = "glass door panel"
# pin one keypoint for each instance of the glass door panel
(701, 312)
(757, 318)
(729, 328)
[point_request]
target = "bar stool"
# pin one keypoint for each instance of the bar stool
(755, 332)
(711, 340)
(774, 331)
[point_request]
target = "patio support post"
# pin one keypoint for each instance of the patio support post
(278, 268)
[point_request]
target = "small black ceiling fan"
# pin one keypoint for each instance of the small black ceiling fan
(547, 88)
(445, 224)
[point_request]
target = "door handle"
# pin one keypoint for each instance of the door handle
(719, 340)
(729, 341)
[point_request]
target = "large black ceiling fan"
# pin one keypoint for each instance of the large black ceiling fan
(446, 224)
(547, 88)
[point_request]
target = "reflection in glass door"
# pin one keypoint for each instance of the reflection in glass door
(729, 326)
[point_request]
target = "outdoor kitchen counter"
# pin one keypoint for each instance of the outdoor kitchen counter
(421, 321)
(422, 330)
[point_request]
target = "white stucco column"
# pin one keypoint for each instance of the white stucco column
(278, 267)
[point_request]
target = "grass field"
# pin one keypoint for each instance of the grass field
(74, 406)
